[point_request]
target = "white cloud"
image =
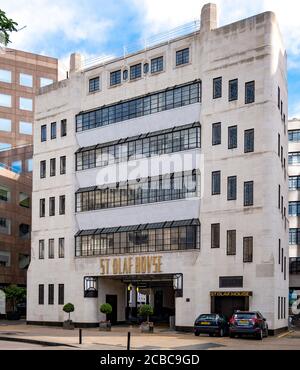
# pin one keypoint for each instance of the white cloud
(72, 19)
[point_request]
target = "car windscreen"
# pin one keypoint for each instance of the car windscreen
(207, 317)
(244, 316)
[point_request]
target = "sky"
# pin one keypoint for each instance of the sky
(98, 28)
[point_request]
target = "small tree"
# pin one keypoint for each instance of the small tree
(106, 309)
(15, 295)
(68, 308)
(146, 310)
(7, 26)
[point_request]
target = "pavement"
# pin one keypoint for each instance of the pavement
(18, 335)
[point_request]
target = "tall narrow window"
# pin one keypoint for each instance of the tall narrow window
(53, 130)
(52, 206)
(232, 188)
(63, 165)
(279, 196)
(43, 133)
(217, 88)
(279, 97)
(136, 71)
(232, 137)
(215, 236)
(61, 294)
(52, 167)
(41, 294)
(62, 205)
(250, 92)
(248, 249)
(216, 183)
(249, 141)
(43, 169)
(42, 208)
(51, 294)
(216, 134)
(42, 249)
(233, 90)
(51, 249)
(157, 64)
(279, 251)
(231, 243)
(115, 78)
(61, 248)
(94, 84)
(279, 145)
(63, 128)
(248, 193)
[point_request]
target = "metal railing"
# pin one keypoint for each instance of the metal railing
(148, 43)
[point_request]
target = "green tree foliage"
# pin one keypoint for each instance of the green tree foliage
(15, 295)
(146, 310)
(106, 308)
(7, 26)
(68, 308)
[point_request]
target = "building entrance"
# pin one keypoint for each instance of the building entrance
(227, 303)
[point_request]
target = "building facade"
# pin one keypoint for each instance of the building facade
(160, 185)
(21, 76)
(294, 210)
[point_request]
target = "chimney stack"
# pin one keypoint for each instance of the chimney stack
(75, 62)
(209, 17)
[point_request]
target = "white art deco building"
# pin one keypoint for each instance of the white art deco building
(160, 177)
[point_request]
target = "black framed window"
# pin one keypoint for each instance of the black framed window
(233, 90)
(63, 162)
(279, 97)
(125, 75)
(294, 136)
(115, 78)
(250, 92)
(41, 249)
(136, 71)
(232, 137)
(51, 294)
(41, 294)
(94, 84)
(53, 130)
(52, 167)
(52, 206)
(248, 249)
(295, 266)
(160, 237)
(248, 193)
(216, 183)
(215, 236)
(232, 188)
(146, 68)
(171, 98)
(157, 64)
(61, 294)
(294, 209)
(176, 186)
(217, 87)
(294, 158)
(51, 251)
(216, 133)
(279, 251)
(63, 128)
(43, 133)
(90, 287)
(61, 248)
(249, 141)
(62, 204)
(294, 236)
(42, 208)
(154, 144)
(231, 242)
(43, 167)
(182, 57)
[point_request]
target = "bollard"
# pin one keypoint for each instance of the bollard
(128, 341)
(80, 336)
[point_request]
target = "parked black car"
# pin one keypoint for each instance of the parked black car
(211, 324)
(248, 323)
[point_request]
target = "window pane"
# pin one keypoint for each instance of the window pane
(26, 104)
(217, 88)
(5, 76)
(17, 166)
(4, 146)
(5, 194)
(26, 80)
(5, 125)
(45, 82)
(232, 137)
(25, 128)
(5, 100)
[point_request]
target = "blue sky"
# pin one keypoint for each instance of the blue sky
(104, 27)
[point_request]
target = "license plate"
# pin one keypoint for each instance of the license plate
(205, 323)
(243, 322)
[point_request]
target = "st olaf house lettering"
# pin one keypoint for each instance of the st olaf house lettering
(131, 265)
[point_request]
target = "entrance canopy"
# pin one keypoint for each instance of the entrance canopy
(146, 281)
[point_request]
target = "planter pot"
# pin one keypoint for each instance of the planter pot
(147, 327)
(13, 316)
(104, 326)
(68, 325)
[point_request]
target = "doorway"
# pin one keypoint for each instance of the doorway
(228, 305)
(113, 301)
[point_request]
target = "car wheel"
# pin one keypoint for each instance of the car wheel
(260, 335)
(221, 334)
(267, 332)
(197, 333)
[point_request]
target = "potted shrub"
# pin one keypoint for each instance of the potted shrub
(68, 324)
(106, 309)
(146, 311)
(14, 295)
